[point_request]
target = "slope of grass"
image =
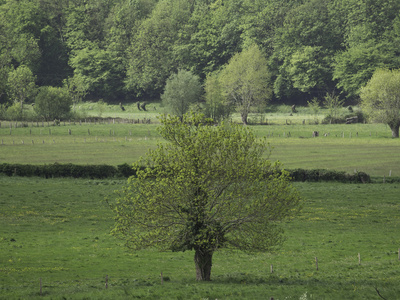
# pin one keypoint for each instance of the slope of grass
(58, 231)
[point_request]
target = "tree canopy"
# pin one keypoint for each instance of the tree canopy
(206, 188)
(245, 81)
(380, 98)
(126, 50)
(181, 90)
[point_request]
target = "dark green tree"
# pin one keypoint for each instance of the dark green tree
(53, 103)
(151, 56)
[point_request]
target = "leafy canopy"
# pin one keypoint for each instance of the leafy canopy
(208, 187)
(380, 98)
(181, 90)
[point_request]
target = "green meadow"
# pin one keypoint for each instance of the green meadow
(361, 147)
(57, 232)
(55, 241)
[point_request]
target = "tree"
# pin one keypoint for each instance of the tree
(333, 104)
(380, 98)
(21, 85)
(181, 90)
(209, 187)
(216, 106)
(151, 55)
(245, 80)
(53, 102)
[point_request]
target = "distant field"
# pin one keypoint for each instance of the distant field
(57, 230)
(362, 147)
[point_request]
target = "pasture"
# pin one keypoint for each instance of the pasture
(57, 232)
(340, 147)
(55, 241)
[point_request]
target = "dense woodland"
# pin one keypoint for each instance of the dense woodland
(125, 50)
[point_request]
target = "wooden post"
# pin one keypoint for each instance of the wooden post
(106, 281)
(316, 263)
(40, 286)
(399, 253)
(390, 173)
(272, 269)
(359, 259)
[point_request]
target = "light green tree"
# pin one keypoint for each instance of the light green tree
(333, 103)
(245, 81)
(53, 102)
(209, 187)
(315, 108)
(216, 106)
(181, 90)
(380, 98)
(21, 86)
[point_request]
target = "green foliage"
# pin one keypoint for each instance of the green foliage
(181, 91)
(380, 98)
(333, 103)
(315, 108)
(53, 103)
(216, 106)
(151, 56)
(245, 81)
(204, 190)
(63, 170)
(21, 85)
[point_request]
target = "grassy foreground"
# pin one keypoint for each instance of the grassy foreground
(57, 231)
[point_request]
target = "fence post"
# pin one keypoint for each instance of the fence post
(106, 281)
(359, 259)
(40, 286)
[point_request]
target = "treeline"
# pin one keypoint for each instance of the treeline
(125, 50)
(57, 170)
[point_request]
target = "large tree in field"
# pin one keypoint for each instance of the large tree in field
(208, 187)
(380, 98)
(245, 80)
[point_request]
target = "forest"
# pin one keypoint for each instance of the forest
(125, 50)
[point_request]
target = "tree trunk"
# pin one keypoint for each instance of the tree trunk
(395, 131)
(203, 262)
(244, 118)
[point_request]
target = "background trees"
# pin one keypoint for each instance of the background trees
(380, 99)
(245, 81)
(53, 103)
(181, 90)
(21, 86)
(124, 50)
(207, 188)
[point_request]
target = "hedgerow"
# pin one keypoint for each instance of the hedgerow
(57, 170)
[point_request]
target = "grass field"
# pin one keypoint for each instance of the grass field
(57, 231)
(340, 147)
